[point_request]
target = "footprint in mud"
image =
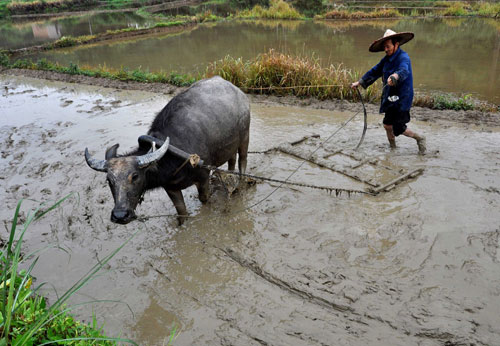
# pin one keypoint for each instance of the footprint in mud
(40, 171)
(15, 188)
(18, 158)
(46, 191)
(66, 103)
(65, 124)
(27, 91)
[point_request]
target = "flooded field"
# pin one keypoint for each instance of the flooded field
(417, 265)
(451, 55)
(20, 34)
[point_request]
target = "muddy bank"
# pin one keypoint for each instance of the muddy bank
(418, 113)
(415, 266)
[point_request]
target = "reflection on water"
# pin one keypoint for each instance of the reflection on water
(15, 35)
(459, 55)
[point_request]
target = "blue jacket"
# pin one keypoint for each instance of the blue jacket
(398, 63)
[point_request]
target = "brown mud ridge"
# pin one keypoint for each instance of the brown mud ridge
(418, 113)
(418, 265)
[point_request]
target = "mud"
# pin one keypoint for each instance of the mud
(417, 265)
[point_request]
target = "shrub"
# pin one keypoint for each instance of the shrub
(278, 9)
(489, 9)
(4, 59)
(65, 41)
(456, 9)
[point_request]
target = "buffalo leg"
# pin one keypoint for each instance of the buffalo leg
(242, 155)
(203, 187)
(231, 163)
(180, 206)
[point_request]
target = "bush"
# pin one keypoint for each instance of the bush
(446, 102)
(489, 9)
(457, 9)
(4, 59)
(278, 9)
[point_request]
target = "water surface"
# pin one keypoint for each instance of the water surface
(20, 34)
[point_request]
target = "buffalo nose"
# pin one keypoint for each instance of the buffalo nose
(121, 216)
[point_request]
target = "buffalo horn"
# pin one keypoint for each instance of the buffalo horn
(111, 152)
(145, 160)
(98, 165)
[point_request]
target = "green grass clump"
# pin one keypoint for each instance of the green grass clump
(444, 101)
(457, 9)
(4, 59)
(25, 317)
(169, 24)
(488, 9)
(278, 9)
(70, 41)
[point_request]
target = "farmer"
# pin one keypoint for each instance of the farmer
(397, 94)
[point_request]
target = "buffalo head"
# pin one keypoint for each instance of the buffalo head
(126, 176)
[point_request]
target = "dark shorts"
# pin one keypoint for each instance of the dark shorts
(398, 119)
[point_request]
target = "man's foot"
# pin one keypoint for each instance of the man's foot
(421, 145)
(392, 143)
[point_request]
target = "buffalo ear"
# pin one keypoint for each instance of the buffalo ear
(111, 151)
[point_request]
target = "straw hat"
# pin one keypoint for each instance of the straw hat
(378, 45)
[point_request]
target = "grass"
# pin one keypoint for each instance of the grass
(278, 9)
(25, 317)
(488, 9)
(124, 74)
(457, 9)
(346, 14)
(282, 74)
(271, 73)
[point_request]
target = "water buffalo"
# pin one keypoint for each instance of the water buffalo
(210, 119)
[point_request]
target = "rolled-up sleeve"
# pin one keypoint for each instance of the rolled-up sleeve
(403, 69)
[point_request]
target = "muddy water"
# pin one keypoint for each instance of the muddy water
(20, 34)
(452, 55)
(416, 265)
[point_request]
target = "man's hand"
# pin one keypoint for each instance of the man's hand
(355, 85)
(389, 80)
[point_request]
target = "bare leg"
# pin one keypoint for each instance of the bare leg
(420, 140)
(390, 136)
(180, 206)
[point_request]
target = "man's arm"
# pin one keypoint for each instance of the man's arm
(371, 76)
(401, 72)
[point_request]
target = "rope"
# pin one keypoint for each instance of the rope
(193, 159)
(330, 189)
(272, 87)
